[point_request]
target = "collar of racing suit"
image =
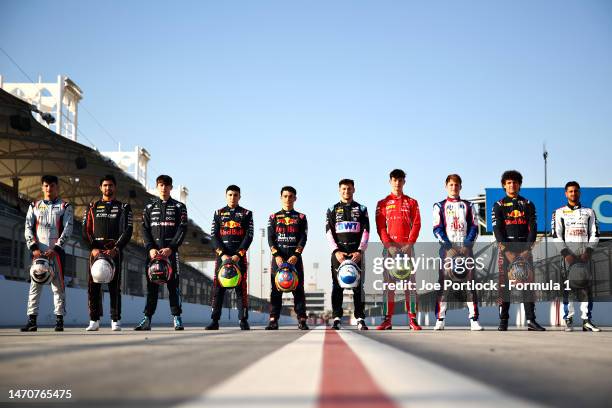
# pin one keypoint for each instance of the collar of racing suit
(453, 199)
(574, 207)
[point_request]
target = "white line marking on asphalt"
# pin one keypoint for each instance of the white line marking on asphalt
(288, 377)
(412, 381)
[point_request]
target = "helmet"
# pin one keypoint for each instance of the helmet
(102, 268)
(579, 275)
(229, 274)
(286, 279)
(348, 274)
(41, 271)
(520, 270)
(401, 270)
(159, 270)
(457, 270)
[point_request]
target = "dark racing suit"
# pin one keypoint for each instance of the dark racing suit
(348, 230)
(107, 225)
(232, 234)
(515, 229)
(287, 233)
(164, 225)
(455, 225)
(576, 231)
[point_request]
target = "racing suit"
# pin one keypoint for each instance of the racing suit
(232, 234)
(576, 231)
(348, 230)
(398, 222)
(287, 234)
(107, 225)
(48, 225)
(455, 225)
(164, 225)
(515, 229)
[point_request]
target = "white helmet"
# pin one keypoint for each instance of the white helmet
(41, 271)
(348, 274)
(102, 269)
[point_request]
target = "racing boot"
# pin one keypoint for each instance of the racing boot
(569, 323)
(532, 325)
(178, 323)
(214, 325)
(59, 323)
(503, 325)
(30, 325)
(439, 324)
(385, 324)
(115, 325)
(94, 325)
(145, 324)
(302, 325)
(336, 325)
(475, 326)
(414, 325)
(361, 324)
(244, 324)
(272, 324)
(588, 325)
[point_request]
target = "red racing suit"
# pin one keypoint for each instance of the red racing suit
(398, 222)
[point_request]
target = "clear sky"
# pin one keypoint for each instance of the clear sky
(267, 93)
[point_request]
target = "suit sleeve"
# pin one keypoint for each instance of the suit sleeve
(67, 225)
(533, 223)
(30, 229)
(126, 227)
(147, 236)
(416, 224)
(215, 235)
(303, 235)
(248, 237)
(593, 231)
(365, 230)
(497, 219)
(439, 227)
(88, 226)
(330, 230)
(381, 224)
(272, 234)
(181, 231)
(558, 231)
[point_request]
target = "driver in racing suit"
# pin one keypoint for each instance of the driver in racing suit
(456, 227)
(348, 230)
(515, 229)
(398, 222)
(576, 231)
(48, 228)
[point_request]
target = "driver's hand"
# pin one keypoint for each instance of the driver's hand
(293, 260)
(340, 256)
(152, 253)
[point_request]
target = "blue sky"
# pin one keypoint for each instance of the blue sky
(269, 93)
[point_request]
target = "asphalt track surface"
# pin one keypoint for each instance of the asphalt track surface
(318, 368)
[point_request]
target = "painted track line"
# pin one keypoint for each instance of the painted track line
(289, 377)
(412, 381)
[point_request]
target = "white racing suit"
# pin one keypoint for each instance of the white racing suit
(49, 225)
(575, 231)
(455, 226)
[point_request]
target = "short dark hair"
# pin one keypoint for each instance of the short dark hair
(572, 184)
(511, 175)
(397, 174)
(108, 177)
(233, 187)
(49, 179)
(289, 189)
(346, 182)
(454, 177)
(164, 179)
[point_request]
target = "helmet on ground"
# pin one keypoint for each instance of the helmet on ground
(41, 271)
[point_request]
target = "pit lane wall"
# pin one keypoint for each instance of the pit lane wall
(14, 298)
